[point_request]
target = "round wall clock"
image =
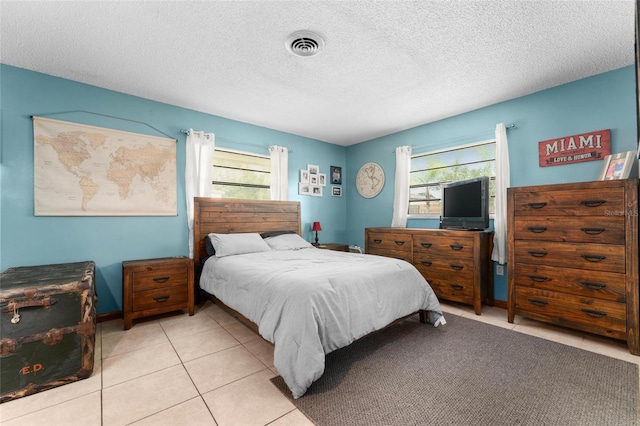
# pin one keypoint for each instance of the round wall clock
(370, 180)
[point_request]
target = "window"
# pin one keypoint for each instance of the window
(430, 170)
(241, 175)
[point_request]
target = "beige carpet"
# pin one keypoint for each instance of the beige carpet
(468, 373)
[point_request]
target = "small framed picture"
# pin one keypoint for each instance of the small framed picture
(313, 170)
(316, 191)
(313, 179)
(322, 179)
(617, 166)
(336, 175)
(304, 189)
(336, 191)
(304, 176)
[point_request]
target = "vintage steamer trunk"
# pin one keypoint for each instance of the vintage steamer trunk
(47, 332)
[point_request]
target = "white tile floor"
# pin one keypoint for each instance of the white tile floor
(208, 369)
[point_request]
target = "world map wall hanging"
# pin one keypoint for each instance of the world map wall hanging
(82, 170)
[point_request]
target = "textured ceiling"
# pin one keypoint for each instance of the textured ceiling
(386, 66)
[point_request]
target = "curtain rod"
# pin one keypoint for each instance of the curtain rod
(186, 132)
(108, 116)
(507, 126)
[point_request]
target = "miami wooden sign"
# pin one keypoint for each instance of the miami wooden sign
(575, 149)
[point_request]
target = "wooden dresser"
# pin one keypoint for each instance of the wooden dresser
(457, 264)
(573, 256)
(155, 286)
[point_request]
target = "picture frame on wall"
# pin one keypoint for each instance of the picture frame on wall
(322, 179)
(617, 166)
(304, 188)
(315, 191)
(313, 169)
(335, 175)
(336, 191)
(304, 176)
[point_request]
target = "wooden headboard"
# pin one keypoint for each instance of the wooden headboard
(228, 216)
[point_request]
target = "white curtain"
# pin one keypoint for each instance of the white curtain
(198, 171)
(279, 172)
(502, 183)
(401, 195)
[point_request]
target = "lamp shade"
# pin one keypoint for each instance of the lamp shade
(316, 226)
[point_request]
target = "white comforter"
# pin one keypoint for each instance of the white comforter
(309, 302)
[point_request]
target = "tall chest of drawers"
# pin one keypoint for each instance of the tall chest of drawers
(573, 256)
(456, 264)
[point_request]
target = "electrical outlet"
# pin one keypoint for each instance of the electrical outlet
(499, 269)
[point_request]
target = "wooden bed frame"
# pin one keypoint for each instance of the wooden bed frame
(228, 216)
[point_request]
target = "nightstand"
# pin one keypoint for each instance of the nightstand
(334, 246)
(156, 286)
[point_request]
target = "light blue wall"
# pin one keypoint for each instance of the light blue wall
(29, 240)
(605, 101)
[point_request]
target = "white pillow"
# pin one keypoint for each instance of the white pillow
(287, 242)
(230, 244)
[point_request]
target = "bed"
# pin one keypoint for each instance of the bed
(307, 301)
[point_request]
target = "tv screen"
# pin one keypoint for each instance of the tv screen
(465, 204)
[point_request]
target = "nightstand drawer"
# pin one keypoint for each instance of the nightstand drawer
(160, 298)
(333, 246)
(160, 278)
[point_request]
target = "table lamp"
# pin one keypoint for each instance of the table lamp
(316, 227)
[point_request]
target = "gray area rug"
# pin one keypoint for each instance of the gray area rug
(468, 373)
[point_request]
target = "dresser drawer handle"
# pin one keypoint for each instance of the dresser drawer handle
(592, 285)
(538, 278)
(593, 231)
(456, 267)
(161, 279)
(593, 257)
(425, 245)
(456, 286)
(592, 203)
(377, 241)
(538, 302)
(426, 262)
(537, 229)
(399, 243)
(537, 253)
(537, 205)
(161, 299)
(456, 247)
(593, 313)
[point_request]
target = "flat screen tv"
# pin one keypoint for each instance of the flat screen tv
(465, 204)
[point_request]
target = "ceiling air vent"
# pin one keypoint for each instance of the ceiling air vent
(304, 43)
